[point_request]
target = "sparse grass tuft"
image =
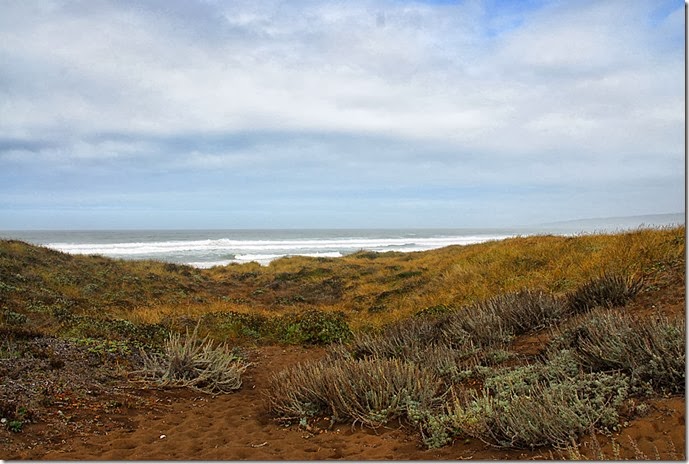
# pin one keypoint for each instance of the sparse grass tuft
(370, 391)
(593, 451)
(195, 363)
(608, 291)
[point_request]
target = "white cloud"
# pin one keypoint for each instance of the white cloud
(590, 90)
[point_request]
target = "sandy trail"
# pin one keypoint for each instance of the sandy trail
(236, 427)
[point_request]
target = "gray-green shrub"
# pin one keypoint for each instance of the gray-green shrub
(608, 290)
(368, 391)
(650, 350)
(194, 363)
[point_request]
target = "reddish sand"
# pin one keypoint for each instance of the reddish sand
(185, 425)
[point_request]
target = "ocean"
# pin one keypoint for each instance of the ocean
(208, 248)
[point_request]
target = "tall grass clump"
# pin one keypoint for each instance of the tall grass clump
(401, 339)
(195, 363)
(486, 324)
(500, 318)
(608, 290)
(368, 391)
(651, 350)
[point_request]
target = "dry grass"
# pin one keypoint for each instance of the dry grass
(371, 391)
(652, 350)
(371, 289)
(592, 450)
(194, 363)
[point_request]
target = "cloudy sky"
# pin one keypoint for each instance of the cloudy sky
(372, 113)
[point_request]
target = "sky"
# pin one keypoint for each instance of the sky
(331, 114)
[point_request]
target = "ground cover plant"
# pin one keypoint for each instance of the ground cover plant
(39, 286)
(434, 340)
(194, 362)
(577, 385)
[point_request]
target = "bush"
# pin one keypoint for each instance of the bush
(554, 413)
(88, 327)
(608, 290)
(499, 319)
(314, 327)
(369, 391)
(232, 324)
(195, 363)
(650, 350)
(436, 310)
(14, 318)
(549, 403)
(526, 310)
(400, 339)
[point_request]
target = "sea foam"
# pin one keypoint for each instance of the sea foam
(208, 252)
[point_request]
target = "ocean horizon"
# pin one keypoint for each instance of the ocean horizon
(217, 247)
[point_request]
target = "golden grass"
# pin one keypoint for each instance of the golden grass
(372, 289)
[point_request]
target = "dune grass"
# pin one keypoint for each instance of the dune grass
(196, 363)
(422, 338)
(370, 289)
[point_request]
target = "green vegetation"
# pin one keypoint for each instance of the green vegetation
(369, 289)
(525, 342)
(583, 379)
(607, 291)
(371, 392)
(650, 351)
(194, 363)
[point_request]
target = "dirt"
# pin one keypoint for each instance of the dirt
(83, 407)
(129, 421)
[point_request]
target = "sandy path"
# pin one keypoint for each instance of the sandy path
(236, 427)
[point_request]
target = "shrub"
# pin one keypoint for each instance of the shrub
(650, 350)
(484, 326)
(549, 403)
(608, 290)
(409, 338)
(15, 426)
(14, 318)
(314, 327)
(526, 310)
(146, 334)
(14, 416)
(195, 363)
(235, 324)
(397, 340)
(500, 318)
(436, 310)
(88, 327)
(369, 391)
(543, 413)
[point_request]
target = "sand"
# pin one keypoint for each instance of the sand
(183, 424)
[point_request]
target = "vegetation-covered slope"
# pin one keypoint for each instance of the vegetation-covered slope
(525, 342)
(50, 291)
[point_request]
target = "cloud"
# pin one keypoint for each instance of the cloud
(322, 96)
